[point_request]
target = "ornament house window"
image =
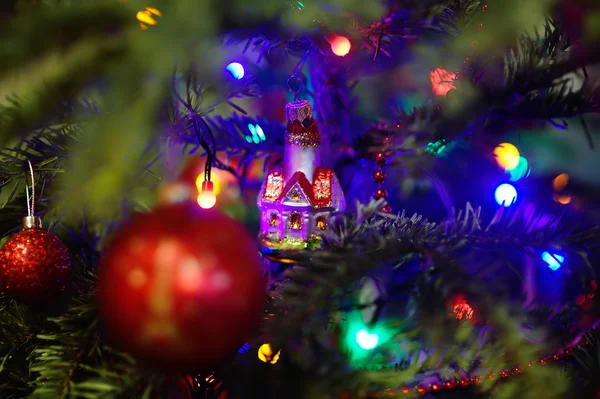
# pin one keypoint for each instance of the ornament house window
(295, 221)
(274, 219)
(295, 195)
(321, 222)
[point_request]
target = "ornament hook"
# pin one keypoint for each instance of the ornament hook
(30, 220)
(295, 81)
(31, 208)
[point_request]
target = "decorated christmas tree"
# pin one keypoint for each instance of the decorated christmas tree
(285, 199)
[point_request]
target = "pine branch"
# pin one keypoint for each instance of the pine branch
(57, 359)
(586, 365)
(534, 87)
(73, 363)
(269, 39)
(60, 62)
(538, 59)
(386, 238)
(43, 149)
(15, 329)
(334, 271)
(361, 244)
(233, 135)
(46, 150)
(560, 101)
(456, 17)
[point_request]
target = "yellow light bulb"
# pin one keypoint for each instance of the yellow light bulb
(266, 355)
(154, 11)
(146, 17)
(207, 199)
(507, 156)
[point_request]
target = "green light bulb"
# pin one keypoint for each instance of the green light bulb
(366, 340)
(519, 171)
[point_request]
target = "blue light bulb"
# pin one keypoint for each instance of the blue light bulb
(236, 69)
(505, 194)
(260, 132)
(554, 261)
(257, 134)
(244, 349)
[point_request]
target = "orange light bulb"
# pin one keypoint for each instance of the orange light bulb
(340, 45)
(563, 199)
(560, 182)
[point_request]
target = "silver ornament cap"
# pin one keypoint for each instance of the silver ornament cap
(298, 111)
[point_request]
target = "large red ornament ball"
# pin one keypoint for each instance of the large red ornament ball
(35, 266)
(181, 288)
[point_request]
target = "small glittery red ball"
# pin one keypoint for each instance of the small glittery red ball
(380, 193)
(386, 209)
(35, 266)
(380, 159)
(379, 176)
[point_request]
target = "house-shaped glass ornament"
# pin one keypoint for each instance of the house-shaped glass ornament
(297, 200)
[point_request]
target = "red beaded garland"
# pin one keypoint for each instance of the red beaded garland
(424, 389)
(35, 266)
(379, 176)
(381, 193)
(450, 384)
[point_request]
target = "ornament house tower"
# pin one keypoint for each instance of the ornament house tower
(297, 200)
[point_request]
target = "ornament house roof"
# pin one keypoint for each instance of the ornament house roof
(319, 194)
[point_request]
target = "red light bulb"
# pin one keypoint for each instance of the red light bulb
(340, 45)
